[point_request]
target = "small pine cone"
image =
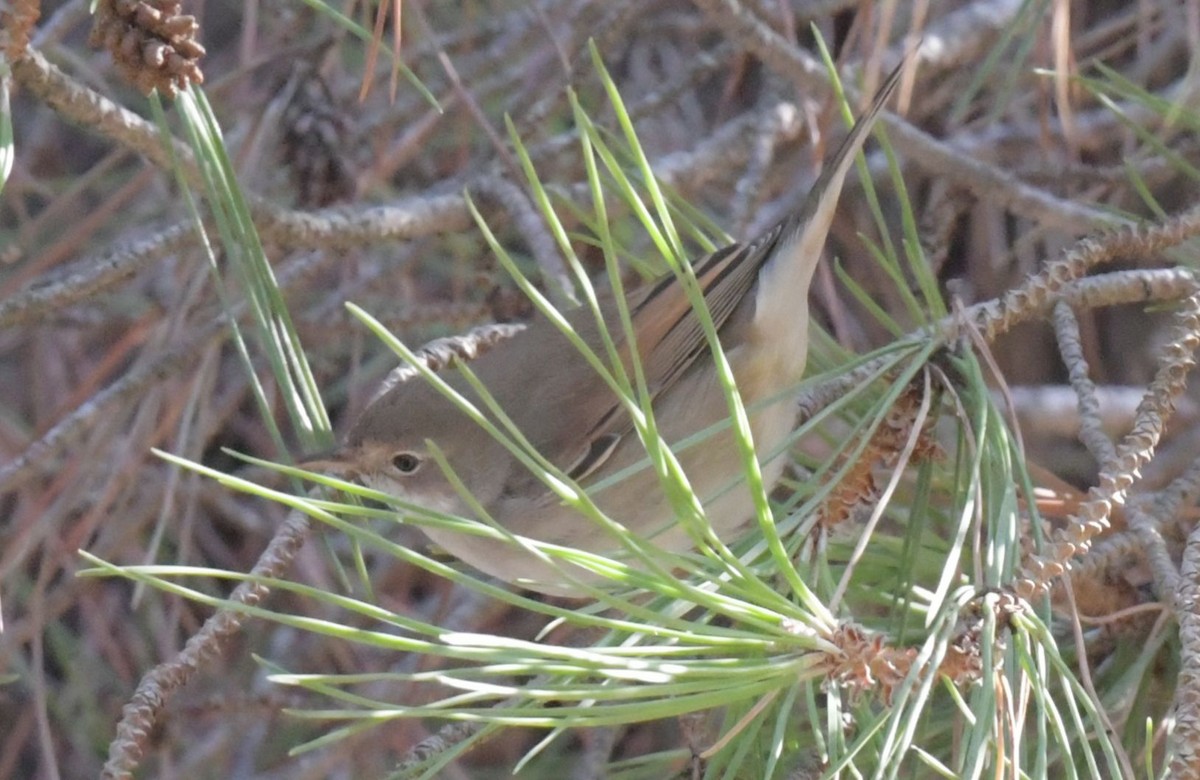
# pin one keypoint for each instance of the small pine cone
(153, 45)
(314, 139)
(19, 22)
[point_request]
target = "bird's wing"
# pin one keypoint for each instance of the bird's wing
(670, 334)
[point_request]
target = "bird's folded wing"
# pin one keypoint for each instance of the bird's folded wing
(670, 336)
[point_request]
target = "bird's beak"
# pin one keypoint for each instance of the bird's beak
(338, 461)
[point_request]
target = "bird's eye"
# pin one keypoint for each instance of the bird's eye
(406, 462)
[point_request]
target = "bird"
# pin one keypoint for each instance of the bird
(757, 295)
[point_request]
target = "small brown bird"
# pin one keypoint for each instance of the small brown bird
(757, 295)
